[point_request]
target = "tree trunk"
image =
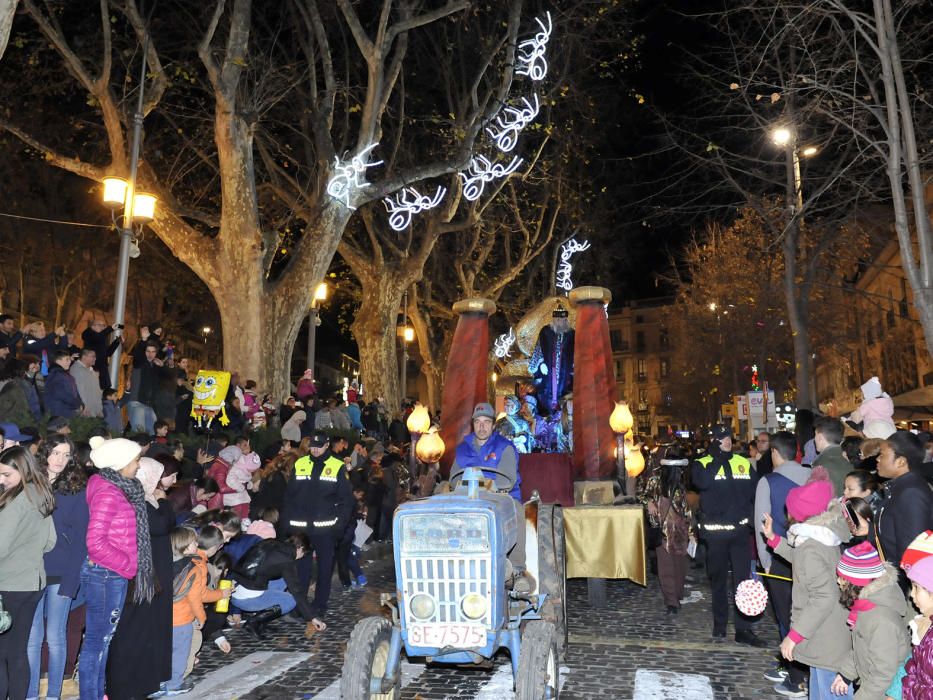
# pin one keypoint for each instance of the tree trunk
(7, 12)
(374, 331)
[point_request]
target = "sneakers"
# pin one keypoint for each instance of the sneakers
(185, 687)
(360, 582)
(789, 690)
(776, 674)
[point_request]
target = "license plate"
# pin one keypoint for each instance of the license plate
(456, 636)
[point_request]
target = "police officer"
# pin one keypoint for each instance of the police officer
(726, 483)
(318, 502)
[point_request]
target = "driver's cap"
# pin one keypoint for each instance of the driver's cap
(483, 410)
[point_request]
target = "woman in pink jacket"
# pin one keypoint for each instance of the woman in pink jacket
(118, 549)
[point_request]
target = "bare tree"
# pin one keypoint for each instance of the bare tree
(309, 85)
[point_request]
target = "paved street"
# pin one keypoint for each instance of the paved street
(631, 649)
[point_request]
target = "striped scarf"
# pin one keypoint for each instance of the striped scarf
(144, 588)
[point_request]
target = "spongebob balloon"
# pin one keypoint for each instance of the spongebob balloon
(210, 394)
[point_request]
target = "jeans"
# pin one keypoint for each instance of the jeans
(181, 647)
(14, 664)
(821, 681)
(142, 417)
(106, 593)
(274, 595)
(49, 624)
(348, 561)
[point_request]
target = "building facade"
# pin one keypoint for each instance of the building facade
(642, 356)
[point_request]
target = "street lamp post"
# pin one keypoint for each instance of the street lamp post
(205, 332)
(320, 295)
(132, 203)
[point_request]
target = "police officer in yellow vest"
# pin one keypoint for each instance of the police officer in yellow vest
(726, 483)
(318, 502)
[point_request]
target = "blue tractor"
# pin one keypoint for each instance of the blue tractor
(457, 600)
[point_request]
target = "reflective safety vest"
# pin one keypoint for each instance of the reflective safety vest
(740, 467)
(332, 466)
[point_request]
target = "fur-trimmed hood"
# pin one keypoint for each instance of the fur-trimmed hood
(825, 527)
(885, 591)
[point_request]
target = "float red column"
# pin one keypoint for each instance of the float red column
(465, 382)
(593, 384)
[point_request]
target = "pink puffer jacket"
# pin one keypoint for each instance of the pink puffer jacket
(111, 531)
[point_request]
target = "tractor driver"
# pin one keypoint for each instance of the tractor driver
(486, 448)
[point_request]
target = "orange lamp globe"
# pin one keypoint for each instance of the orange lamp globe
(430, 447)
(634, 461)
(419, 421)
(621, 419)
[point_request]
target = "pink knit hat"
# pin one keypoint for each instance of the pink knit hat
(922, 573)
(860, 564)
(808, 500)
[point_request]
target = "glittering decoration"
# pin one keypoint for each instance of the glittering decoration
(348, 176)
(529, 328)
(511, 122)
(409, 202)
(531, 52)
(565, 269)
(502, 347)
(481, 171)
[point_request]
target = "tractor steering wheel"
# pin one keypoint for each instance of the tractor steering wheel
(509, 479)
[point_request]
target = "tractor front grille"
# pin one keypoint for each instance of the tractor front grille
(447, 580)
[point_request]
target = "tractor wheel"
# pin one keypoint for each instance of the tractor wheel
(367, 658)
(538, 665)
(552, 570)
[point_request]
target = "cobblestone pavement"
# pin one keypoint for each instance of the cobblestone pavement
(607, 648)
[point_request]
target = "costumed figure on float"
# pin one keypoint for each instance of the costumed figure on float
(513, 426)
(551, 363)
(210, 398)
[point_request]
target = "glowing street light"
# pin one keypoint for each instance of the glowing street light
(712, 306)
(314, 320)
(782, 136)
(809, 151)
(408, 334)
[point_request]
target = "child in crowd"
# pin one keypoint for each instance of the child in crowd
(862, 484)
(876, 617)
(218, 472)
(160, 427)
(210, 542)
(113, 417)
(239, 482)
(348, 553)
(264, 526)
(818, 623)
(918, 682)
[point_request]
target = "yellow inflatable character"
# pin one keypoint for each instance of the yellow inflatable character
(210, 397)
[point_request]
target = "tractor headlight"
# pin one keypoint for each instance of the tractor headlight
(422, 606)
(473, 605)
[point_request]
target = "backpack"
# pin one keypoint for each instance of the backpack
(183, 580)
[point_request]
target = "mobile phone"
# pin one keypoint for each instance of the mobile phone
(850, 513)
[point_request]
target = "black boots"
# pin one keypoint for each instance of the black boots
(257, 622)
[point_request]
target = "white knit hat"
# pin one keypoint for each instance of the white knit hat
(872, 389)
(113, 454)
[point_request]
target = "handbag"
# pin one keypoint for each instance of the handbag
(6, 619)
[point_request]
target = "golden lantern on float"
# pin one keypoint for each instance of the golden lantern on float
(621, 419)
(430, 447)
(634, 460)
(419, 421)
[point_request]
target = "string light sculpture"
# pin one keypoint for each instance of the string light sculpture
(408, 203)
(531, 52)
(349, 176)
(565, 269)
(502, 347)
(481, 171)
(511, 123)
